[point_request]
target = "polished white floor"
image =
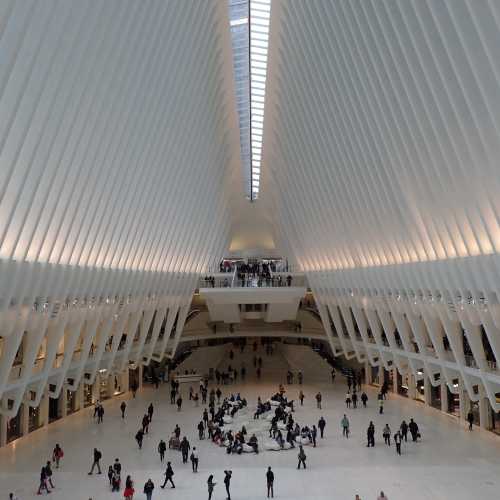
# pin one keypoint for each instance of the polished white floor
(450, 462)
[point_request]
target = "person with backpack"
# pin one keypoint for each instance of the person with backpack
(321, 426)
(345, 426)
(370, 434)
(194, 459)
(148, 489)
(169, 474)
(162, 448)
(96, 462)
(270, 482)
(179, 403)
(57, 454)
(100, 414)
(48, 474)
(348, 399)
(302, 457)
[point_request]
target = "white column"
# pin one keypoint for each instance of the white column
(368, 373)
(141, 368)
(395, 388)
(80, 396)
(464, 401)
(484, 410)
(63, 402)
(444, 396)
(96, 387)
(3, 430)
(25, 415)
(427, 391)
(412, 387)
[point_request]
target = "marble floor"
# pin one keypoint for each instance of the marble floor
(450, 462)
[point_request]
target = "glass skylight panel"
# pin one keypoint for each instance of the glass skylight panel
(249, 25)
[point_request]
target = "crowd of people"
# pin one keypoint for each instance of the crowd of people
(217, 423)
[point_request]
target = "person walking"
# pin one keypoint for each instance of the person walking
(150, 411)
(413, 428)
(148, 489)
(314, 433)
(145, 424)
(300, 376)
(194, 459)
(302, 457)
(48, 474)
(179, 403)
(354, 400)
(318, 400)
(110, 475)
(364, 399)
(301, 398)
(370, 434)
(382, 496)
(227, 482)
(100, 414)
(386, 433)
(348, 399)
(345, 426)
(139, 437)
(57, 454)
(134, 388)
(96, 462)
(169, 474)
(205, 417)
(162, 448)
(185, 447)
(123, 407)
(381, 406)
(218, 393)
(129, 491)
(270, 482)
(321, 426)
(210, 484)
(470, 419)
(201, 430)
(43, 482)
(397, 440)
(404, 430)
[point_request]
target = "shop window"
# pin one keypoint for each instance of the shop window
(13, 424)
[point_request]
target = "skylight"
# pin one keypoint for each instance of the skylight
(249, 22)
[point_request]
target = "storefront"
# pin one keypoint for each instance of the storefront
(375, 375)
(435, 399)
(14, 425)
(453, 403)
(420, 392)
(133, 377)
(403, 384)
(71, 402)
(104, 385)
(34, 420)
(87, 395)
(54, 409)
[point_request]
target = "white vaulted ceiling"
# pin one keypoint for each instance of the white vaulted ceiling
(121, 177)
(381, 172)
